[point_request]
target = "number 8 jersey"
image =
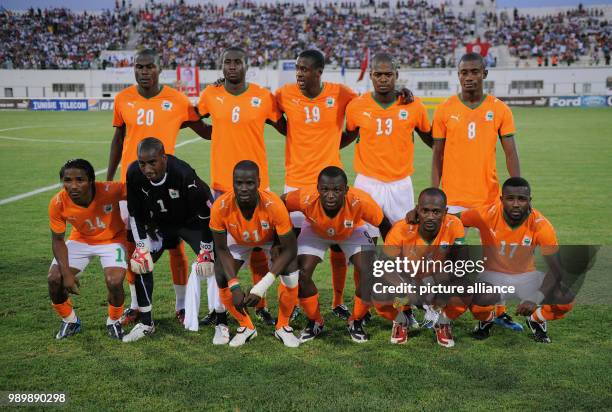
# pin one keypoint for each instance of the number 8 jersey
(469, 175)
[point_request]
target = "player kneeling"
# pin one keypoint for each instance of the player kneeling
(242, 220)
(92, 209)
(335, 215)
(510, 231)
(428, 239)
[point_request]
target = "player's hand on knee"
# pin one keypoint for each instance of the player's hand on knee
(71, 284)
(251, 300)
(238, 299)
(205, 262)
(526, 308)
(141, 261)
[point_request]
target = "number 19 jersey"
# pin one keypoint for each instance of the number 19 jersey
(469, 175)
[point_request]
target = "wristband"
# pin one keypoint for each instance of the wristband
(233, 283)
(263, 285)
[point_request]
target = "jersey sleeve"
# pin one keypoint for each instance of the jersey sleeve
(199, 201)
(458, 232)
(346, 95)
(292, 201)
(282, 222)
(423, 121)
(278, 98)
(190, 112)
(351, 116)
(57, 223)
(506, 128)
(393, 241)
(547, 238)
(471, 218)
(202, 104)
(117, 117)
(273, 113)
(439, 126)
(216, 218)
(372, 213)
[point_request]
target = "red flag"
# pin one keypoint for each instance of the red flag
(188, 80)
(364, 63)
(478, 47)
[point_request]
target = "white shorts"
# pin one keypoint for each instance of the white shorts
(241, 252)
(125, 214)
(394, 198)
(526, 285)
(80, 254)
(455, 210)
(297, 218)
(309, 243)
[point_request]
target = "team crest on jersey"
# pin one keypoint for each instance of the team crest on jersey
(331, 232)
(329, 102)
(348, 224)
(108, 208)
(255, 102)
(403, 114)
(166, 105)
(174, 194)
(489, 116)
(526, 241)
(265, 225)
(444, 245)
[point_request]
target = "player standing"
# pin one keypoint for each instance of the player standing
(244, 219)
(167, 202)
(149, 109)
(466, 128)
(334, 215)
(239, 110)
(510, 231)
(92, 209)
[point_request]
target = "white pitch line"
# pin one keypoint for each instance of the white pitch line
(27, 139)
(58, 185)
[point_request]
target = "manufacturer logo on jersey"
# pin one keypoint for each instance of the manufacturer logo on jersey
(265, 225)
(348, 224)
(329, 102)
(331, 232)
(368, 114)
(220, 99)
(255, 102)
(174, 194)
(403, 114)
(130, 104)
(166, 105)
(489, 116)
(455, 117)
(108, 208)
(526, 241)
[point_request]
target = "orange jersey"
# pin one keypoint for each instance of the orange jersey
(98, 224)
(469, 175)
(314, 130)
(160, 116)
(358, 208)
(238, 130)
(385, 147)
(270, 217)
(510, 250)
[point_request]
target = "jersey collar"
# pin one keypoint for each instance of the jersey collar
(161, 182)
(476, 106)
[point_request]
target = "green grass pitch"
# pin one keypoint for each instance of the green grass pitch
(565, 153)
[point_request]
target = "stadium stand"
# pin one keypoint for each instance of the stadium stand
(421, 34)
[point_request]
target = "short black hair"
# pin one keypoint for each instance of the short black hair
(516, 182)
(149, 53)
(433, 191)
(247, 166)
(236, 49)
(383, 58)
(79, 164)
(317, 58)
(332, 172)
(472, 57)
(151, 143)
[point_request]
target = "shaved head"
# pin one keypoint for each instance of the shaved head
(151, 144)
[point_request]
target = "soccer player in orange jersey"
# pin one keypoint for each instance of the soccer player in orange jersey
(242, 220)
(92, 209)
(239, 110)
(465, 131)
(334, 215)
(510, 230)
(315, 118)
(435, 228)
(149, 109)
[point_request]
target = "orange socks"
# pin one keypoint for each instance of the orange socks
(387, 311)
(483, 313)
(551, 312)
(65, 311)
(360, 309)
(259, 269)
(311, 308)
(339, 267)
(454, 311)
(226, 299)
(179, 264)
(500, 310)
(287, 299)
